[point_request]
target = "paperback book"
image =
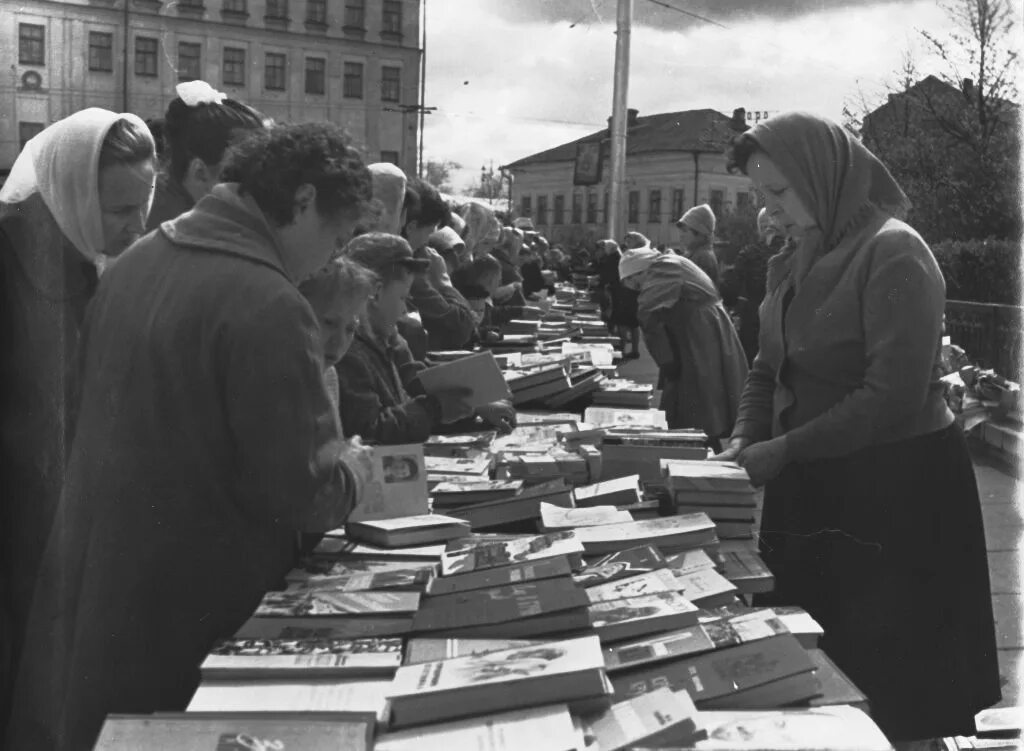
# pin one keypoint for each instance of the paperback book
(553, 518)
(620, 565)
(653, 582)
(291, 603)
(322, 658)
(398, 485)
(518, 550)
(404, 531)
(659, 718)
(626, 619)
(670, 534)
(516, 573)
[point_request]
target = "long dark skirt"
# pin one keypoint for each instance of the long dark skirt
(886, 549)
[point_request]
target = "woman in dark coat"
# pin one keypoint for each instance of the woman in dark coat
(77, 196)
(205, 441)
(871, 514)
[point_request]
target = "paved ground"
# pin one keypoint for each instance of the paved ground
(1002, 499)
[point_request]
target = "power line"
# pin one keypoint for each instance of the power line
(691, 14)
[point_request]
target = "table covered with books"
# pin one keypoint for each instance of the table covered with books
(583, 582)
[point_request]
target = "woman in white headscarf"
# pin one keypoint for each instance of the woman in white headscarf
(690, 336)
(872, 520)
(77, 196)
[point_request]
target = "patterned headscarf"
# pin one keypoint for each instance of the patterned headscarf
(481, 225)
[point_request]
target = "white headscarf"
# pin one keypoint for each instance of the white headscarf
(389, 188)
(636, 260)
(62, 164)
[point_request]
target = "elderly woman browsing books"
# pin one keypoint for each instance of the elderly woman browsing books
(205, 441)
(872, 521)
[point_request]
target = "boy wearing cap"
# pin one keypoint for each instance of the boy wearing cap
(381, 400)
(697, 232)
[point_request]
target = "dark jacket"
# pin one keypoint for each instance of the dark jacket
(170, 200)
(45, 284)
(205, 441)
(444, 311)
(374, 380)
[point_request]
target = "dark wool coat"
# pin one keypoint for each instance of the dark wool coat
(45, 284)
(205, 441)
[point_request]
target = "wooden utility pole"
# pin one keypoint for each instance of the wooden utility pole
(616, 205)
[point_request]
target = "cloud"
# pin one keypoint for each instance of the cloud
(508, 82)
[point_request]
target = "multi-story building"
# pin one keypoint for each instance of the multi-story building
(674, 160)
(352, 62)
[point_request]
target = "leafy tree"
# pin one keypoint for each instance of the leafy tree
(951, 140)
(439, 173)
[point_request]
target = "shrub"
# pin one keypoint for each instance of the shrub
(986, 271)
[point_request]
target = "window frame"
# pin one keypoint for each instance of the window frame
(31, 50)
(576, 217)
(591, 206)
(542, 209)
(355, 15)
(109, 49)
(391, 14)
(267, 68)
(322, 73)
(347, 76)
(144, 57)
(654, 202)
(678, 204)
(558, 209)
(241, 63)
(633, 207)
(277, 10)
(397, 82)
(319, 18)
(198, 60)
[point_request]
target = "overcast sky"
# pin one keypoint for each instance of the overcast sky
(512, 77)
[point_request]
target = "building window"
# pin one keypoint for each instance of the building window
(592, 207)
(559, 210)
(27, 131)
(542, 209)
(277, 9)
(236, 6)
(390, 84)
(743, 201)
(391, 157)
(633, 213)
(191, 4)
(234, 66)
(101, 51)
(145, 56)
(526, 206)
(391, 20)
(274, 71)
(678, 196)
(315, 70)
(31, 44)
(189, 68)
(355, 14)
(577, 208)
(316, 12)
(654, 207)
(716, 201)
(352, 87)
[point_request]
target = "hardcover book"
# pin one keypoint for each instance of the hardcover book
(398, 485)
(340, 547)
(431, 649)
(745, 569)
(522, 507)
(620, 491)
(690, 560)
(698, 476)
(403, 531)
(485, 607)
(309, 695)
(658, 718)
(760, 675)
(413, 580)
(609, 417)
(238, 731)
(458, 493)
(554, 517)
(652, 582)
(513, 551)
(313, 570)
(327, 603)
(625, 619)
(622, 564)
(322, 658)
(705, 587)
(547, 728)
(834, 728)
(479, 371)
(325, 627)
(516, 573)
(670, 534)
(459, 465)
(568, 671)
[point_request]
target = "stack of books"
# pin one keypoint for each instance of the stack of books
(626, 451)
(622, 392)
(535, 384)
(523, 506)
(722, 490)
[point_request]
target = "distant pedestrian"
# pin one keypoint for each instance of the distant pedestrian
(697, 234)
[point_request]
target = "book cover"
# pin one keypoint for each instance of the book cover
(662, 647)
(705, 587)
(620, 565)
(746, 570)
(548, 728)
(836, 686)
(556, 671)
(408, 530)
(335, 547)
(238, 731)
(690, 560)
(623, 619)
(554, 517)
(652, 582)
(313, 569)
(679, 532)
(683, 475)
(480, 607)
(327, 602)
(513, 551)
(620, 491)
(398, 486)
(834, 728)
(478, 371)
(519, 508)
(306, 657)
(413, 580)
(725, 676)
(516, 573)
(659, 718)
(608, 417)
(325, 627)
(469, 491)
(431, 649)
(310, 695)
(477, 465)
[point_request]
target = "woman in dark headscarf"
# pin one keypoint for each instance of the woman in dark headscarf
(871, 514)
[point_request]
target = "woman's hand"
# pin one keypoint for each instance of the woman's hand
(763, 461)
(500, 415)
(358, 458)
(732, 450)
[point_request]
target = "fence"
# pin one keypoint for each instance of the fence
(991, 334)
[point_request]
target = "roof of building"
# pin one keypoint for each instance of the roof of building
(692, 130)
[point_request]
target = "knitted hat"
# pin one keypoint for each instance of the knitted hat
(699, 218)
(445, 239)
(637, 260)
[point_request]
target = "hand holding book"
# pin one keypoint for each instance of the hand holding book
(500, 415)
